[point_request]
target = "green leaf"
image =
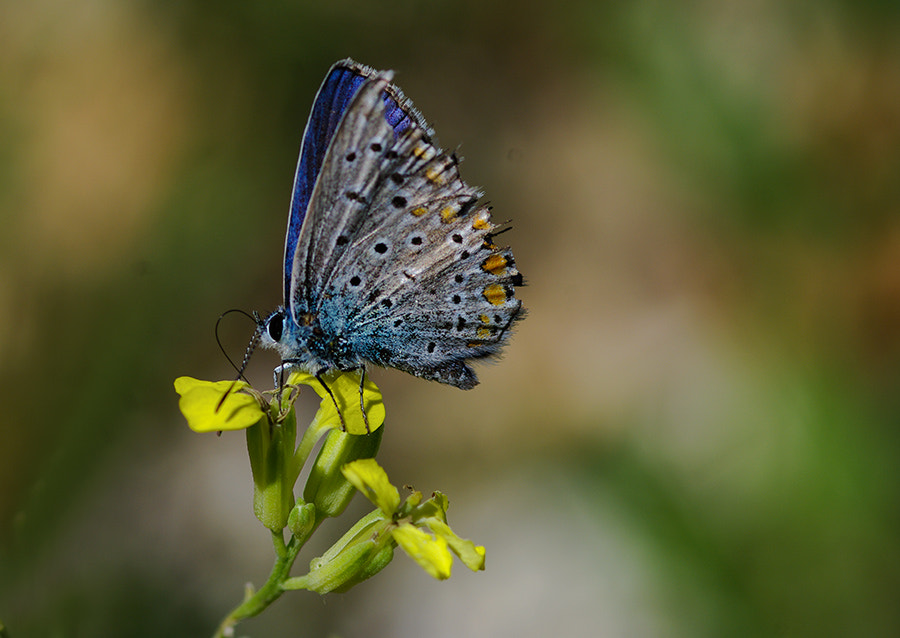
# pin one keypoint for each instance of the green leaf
(200, 405)
(430, 552)
(370, 479)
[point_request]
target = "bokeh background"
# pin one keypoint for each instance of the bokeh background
(694, 433)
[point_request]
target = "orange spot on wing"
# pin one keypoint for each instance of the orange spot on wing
(495, 264)
(423, 152)
(495, 294)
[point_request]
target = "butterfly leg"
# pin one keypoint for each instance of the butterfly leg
(362, 403)
(278, 379)
(333, 400)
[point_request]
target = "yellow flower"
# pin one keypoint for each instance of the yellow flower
(207, 408)
(420, 528)
(344, 386)
(215, 406)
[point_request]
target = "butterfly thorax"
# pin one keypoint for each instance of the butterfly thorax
(305, 343)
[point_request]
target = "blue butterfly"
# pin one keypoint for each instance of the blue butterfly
(389, 256)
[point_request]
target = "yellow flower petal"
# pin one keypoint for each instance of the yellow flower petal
(429, 551)
(469, 553)
(370, 479)
(200, 401)
(345, 388)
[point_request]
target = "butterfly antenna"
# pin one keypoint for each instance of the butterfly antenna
(254, 341)
(254, 319)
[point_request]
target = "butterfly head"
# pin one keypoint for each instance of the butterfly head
(279, 331)
(272, 328)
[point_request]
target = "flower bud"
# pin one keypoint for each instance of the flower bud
(326, 486)
(302, 519)
(271, 450)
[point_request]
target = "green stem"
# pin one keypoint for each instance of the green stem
(286, 554)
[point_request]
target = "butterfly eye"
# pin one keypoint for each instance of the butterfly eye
(275, 327)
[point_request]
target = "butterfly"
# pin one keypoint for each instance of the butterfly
(389, 256)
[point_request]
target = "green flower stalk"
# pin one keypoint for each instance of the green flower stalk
(350, 417)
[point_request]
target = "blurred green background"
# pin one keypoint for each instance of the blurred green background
(694, 433)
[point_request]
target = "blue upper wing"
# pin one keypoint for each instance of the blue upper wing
(332, 100)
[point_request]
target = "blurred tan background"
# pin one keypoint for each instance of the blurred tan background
(694, 433)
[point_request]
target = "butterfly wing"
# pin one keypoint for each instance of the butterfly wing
(395, 259)
(340, 85)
